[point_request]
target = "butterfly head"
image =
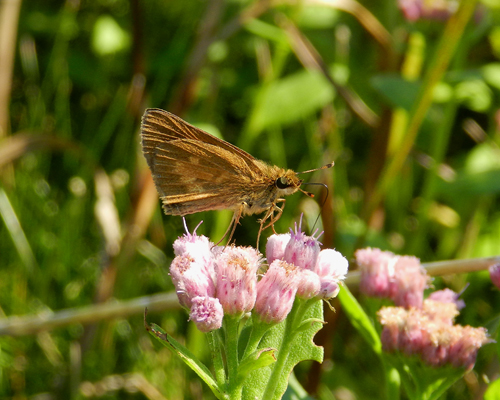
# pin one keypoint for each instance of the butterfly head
(288, 183)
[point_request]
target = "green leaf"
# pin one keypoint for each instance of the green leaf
(493, 391)
(317, 17)
(466, 185)
(491, 74)
(265, 30)
(302, 348)
(359, 319)
(398, 91)
(308, 322)
(191, 361)
(474, 94)
(108, 37)
(290, 99)
(258, 359)
(295, 391)
(483, 157)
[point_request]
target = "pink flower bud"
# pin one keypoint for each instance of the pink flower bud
(276, 292)
(191, 279)
(309, 284)
(447, 296)
(494, 271)
(206, 313)
(275, 247)
(193, 245)
(377, 271)
(329, 288)
(400, 278)
(331, 263)
(198, 248)
(237, 279)
(410, 280)
(302, 250)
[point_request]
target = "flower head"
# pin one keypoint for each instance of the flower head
(377, 271)
(447, 296)
(328, 266)
(301, 250)
(198, 248)
(309, 284)
(437, 342)
(276, 292)
(331, 267)
(237, 278)
(206, 313)
(399, 278)
(191, 279)
(275, 247)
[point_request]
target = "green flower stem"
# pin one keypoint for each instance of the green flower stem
(293, 322)
(232, 333)
(216, 351)
(258, 330)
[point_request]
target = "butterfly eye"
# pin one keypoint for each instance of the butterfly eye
(282, 183)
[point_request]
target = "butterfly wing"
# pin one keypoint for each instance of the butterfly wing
(194, 171)
(168, 126)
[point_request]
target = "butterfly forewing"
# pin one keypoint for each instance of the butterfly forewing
(166, 126)
(193, 170)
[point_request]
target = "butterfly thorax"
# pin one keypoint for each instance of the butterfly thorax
(265, 189)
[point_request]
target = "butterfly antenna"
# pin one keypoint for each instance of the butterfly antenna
(318, 169)
(311, 195)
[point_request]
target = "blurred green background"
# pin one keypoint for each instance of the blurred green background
(406, 101)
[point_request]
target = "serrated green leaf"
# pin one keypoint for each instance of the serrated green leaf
(302, 348)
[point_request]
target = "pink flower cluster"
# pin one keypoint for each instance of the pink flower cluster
(399, 278)
(212, 280)
(440, 10)
(297, 266)
(429, 333)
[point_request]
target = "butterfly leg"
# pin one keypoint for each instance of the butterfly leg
(236, 218)
(270, 216)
